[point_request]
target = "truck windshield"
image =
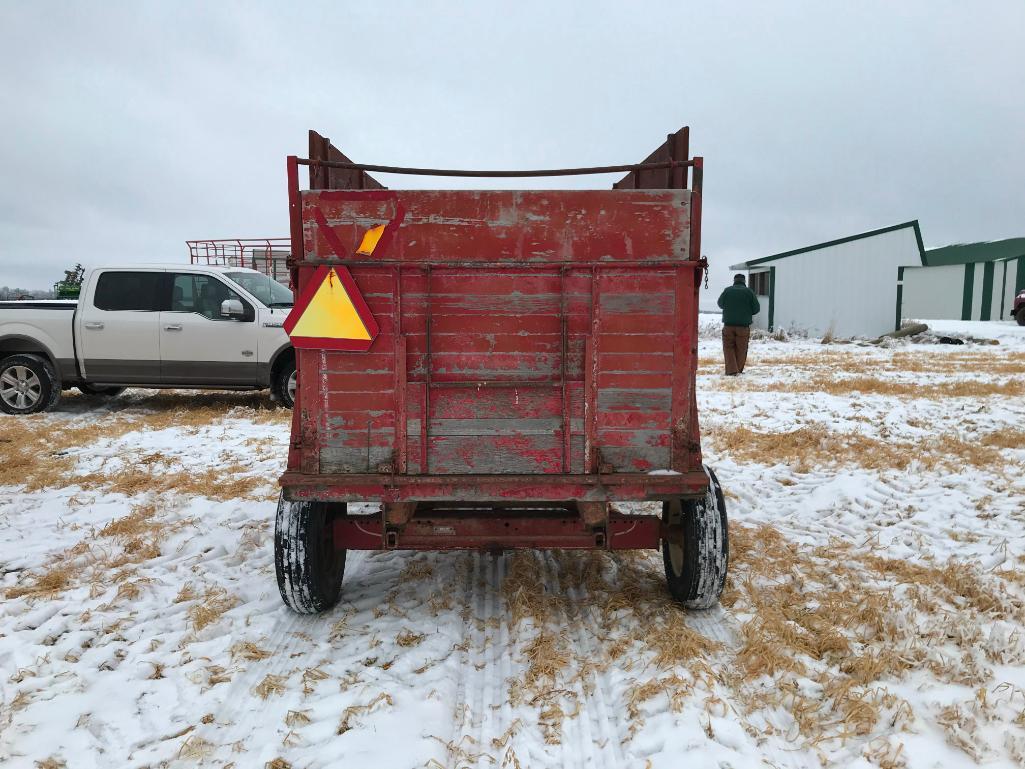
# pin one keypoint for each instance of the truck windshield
(268, 291)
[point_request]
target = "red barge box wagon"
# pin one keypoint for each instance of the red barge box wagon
(494, 368)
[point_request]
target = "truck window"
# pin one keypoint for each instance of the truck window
(268, 291)
(138, 291)
(201, 294)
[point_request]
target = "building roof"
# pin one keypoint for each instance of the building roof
(967, 253)
(913, 224)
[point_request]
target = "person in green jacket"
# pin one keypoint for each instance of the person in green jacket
(739, 305)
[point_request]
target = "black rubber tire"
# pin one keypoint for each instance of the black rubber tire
(308, 566)
(697, 578)
(105, 392)
(49, 382)
(279, 387)
(1020, 316)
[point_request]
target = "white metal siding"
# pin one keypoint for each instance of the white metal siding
(978, 271)
(933, 292)
(848, 289)
(1006, 282)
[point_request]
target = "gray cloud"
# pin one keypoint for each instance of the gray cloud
(130, 127)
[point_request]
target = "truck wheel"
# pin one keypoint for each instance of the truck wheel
(284, 385)
(28, 384)
(308, 565)
(696, 568)
(1020, 316)
(106, 392)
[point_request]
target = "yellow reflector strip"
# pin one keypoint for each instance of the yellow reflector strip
(370, 240)
(331, 314)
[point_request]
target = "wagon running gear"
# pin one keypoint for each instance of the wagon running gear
(308, 565)
(696, 553)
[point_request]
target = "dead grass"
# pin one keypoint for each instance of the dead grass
(270, 685)
(41, 454)
(814, 446)
(868, 361)
(296, 718)
(214, 603)
(844, 622)
(248, 652)
(351, 712)
(50, 582)
(408, 638)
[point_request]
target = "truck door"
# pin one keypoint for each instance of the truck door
(117, 327)
(200, 347)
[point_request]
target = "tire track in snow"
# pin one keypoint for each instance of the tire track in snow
(598, 742)
(290, 650)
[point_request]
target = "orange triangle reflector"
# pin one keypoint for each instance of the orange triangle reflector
(331, 314)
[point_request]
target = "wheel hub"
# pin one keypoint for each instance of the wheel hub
(20, 388)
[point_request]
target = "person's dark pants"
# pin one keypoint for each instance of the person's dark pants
(734, 347)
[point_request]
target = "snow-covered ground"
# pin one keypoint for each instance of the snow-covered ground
(874, 616)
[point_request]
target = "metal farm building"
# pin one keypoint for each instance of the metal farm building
(846, 287)
(967, 281)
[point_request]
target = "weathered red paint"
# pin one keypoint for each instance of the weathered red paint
(459, 530)
(537, 346)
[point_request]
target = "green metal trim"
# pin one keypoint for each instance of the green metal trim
(1019, 276)
(772, 296)
(913, 223)
(1003, 290)
(984, 251)
(900, 297)
(969, 288)
(986, 310)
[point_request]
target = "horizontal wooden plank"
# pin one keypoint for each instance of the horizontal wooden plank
(496, 324)
(634, 419)
(495, 403)
(634, 380)
(483, 426)
(635, 459)
(495, 454)
(641, 362)
(634, 400)
(650, 303)
(636, 323)
(351, 402)
(523, 226)
(628, 438)
(353, 460)
(510, 367)
(636, 281)
(638, 343)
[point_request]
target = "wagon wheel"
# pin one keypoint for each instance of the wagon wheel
(309, 566)
(696, 562)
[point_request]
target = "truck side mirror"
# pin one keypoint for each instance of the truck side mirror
(232, 308)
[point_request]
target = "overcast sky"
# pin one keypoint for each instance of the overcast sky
(128, 128)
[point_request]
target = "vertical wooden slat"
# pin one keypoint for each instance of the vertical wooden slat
(400, 374)
(565, 385)
(591, 378)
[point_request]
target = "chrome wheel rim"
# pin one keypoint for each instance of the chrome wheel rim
(290, 387)
(20, 388)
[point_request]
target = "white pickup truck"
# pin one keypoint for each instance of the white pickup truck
(187, 326)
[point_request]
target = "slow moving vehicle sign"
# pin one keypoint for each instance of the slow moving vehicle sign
(331, 313)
